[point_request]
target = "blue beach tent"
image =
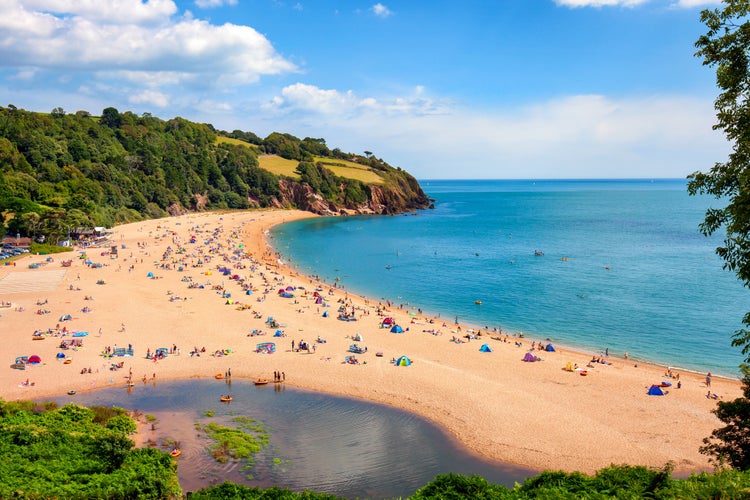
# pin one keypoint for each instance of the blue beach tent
(397, 329)
(403, 361)
(655, 390)
(550, 348)
(485, 348)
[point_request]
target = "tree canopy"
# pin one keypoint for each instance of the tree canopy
(63, 170)
(725, 46)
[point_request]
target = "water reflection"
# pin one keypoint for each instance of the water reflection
(330, 444)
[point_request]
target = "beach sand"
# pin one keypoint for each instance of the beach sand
(531, 414)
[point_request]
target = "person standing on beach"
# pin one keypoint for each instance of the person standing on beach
(708, 379)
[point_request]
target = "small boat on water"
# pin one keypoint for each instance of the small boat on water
(175, 453)
(260, 381)
(478, 302)
(219, 376)
(226, 399)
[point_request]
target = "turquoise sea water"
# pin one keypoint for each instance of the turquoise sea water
(625, 267)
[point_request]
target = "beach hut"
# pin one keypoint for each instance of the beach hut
(655, 390)
(530, 358)
(485, 348)
(403, 361)
(397, 329)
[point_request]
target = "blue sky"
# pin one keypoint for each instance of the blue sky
(473, 89)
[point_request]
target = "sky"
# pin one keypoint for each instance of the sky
(479, 89)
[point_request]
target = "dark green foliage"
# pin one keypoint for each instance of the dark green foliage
(73, 170)
(619, 482)
(76, 452)
(231, 491)
(725, 46)
(730, 445)
(458, 487)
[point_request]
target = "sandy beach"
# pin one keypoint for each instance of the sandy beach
(164, 289)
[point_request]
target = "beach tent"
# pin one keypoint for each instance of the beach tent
(403, 361)
(278, 333)
(60, 355)
(529, 357)
(387, 322)
(655, 390)
(265, 348)
(358, 337)
(34, 360)
(325, 313)
(485, 348)
(397, 329)
(150, 275)
(550, 348)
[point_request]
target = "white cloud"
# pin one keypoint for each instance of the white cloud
(150, 97)
(381, 10)
(210, 4)
(599, 3)
(94, 38)
(110, 11)
(574, 136)
(687, 4)
(309, 98)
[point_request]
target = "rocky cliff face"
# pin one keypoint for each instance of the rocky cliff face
(381, 199)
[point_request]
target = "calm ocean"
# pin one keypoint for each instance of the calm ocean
(625, 267)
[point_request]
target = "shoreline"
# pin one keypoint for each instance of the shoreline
(530, 414)
(287, 262)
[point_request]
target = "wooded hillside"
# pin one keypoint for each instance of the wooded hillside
(63, 170)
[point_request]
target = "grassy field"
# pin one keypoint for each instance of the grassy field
(350, 170)
(234, 142)
(343, 168)
(278, 165)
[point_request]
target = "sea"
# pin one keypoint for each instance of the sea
(603, 266)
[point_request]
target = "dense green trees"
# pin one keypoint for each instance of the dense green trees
(725, 46)
(63, 170)
(615, 482)
(730, 445)
(76, 452)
